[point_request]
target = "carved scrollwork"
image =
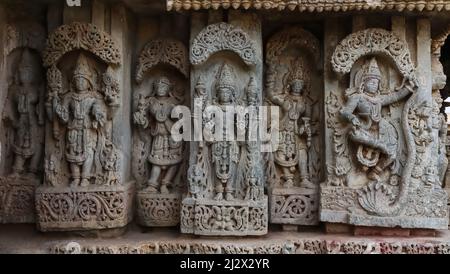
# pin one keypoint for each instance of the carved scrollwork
(84, 36)
(165, 51)
(372, 41)
(220, 37)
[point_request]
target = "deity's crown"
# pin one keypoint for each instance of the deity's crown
(252, 89)
(372, 70)
(82, 68)
(297, 71)
(226, 78)
(26, 60)
(163, 80)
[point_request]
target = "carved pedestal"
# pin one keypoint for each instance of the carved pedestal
(17, 199)
(96, 207)
(224, 218)
(294, 206)
(156, 209)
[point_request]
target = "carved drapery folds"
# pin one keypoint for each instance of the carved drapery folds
(158, 164)
(225, 177)
(381, 161)
(83, 185)
(292, 58)
(22, 122)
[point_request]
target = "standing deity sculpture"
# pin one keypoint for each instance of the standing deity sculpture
(83, 111)
(165, 153)
(295, 129)
(225, 154)
(376, 137)
(27, 117)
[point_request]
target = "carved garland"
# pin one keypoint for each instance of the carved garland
(84, 36)
(293, 36)
(372, 41)
(219, 37)
(166, 51)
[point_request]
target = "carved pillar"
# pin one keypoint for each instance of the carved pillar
(293, 58)
(22, 113)
(86, 184)
(225, 177)
(159, 162)
(381, 170)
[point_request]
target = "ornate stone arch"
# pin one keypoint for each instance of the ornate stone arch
(83, 36)
(166, 51)
(372, 41)
(293, 36)
(220, 37)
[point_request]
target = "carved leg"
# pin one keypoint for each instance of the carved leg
(153, 181)
(86, 169)
(288, 177)
(229, 191)
(168, 178)
(19, 163)
(75, 170)
(304, 172)
(36, 160)
(219, 191)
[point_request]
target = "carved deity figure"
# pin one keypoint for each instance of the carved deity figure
(295, 131)
(83, 112)
(370, 130)
(225, 154)
(165, 153)
(27, 116)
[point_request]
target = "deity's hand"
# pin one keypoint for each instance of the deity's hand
(100, 118)
(355, 122)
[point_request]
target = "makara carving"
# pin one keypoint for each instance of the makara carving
(83, 186)
(159, 164)
(382, 132)
(296, 163)
(225, 177)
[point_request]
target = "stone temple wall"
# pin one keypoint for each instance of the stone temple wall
(219, 120)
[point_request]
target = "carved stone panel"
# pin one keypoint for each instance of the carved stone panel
(225, 177)
(85, 184)
(22, 122)
(293, 85)
(383, 170)
(159, 161)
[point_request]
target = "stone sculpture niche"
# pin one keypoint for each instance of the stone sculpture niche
(225, 176)
(294, 169)
(22, 123)
(84, 187)
(382, 171)
(159, 161)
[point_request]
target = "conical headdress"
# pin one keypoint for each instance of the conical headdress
(226, 78)
(297, 71)
(83, 69)
(372, 70)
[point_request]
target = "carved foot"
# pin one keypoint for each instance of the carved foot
(289, 183)
(219, 196)
(306, 183)
(164, 189)
(85, 183)
(229, 197)
(75, 183)
(151, 189)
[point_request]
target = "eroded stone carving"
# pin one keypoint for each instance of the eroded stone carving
(83, 186)
(381, 139)
(296, 163)
(160, 195)
(225, 177)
